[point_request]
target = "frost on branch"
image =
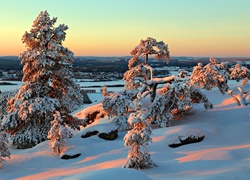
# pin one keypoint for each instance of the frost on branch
(241, 97)
(48, 86)
(137, 138)
(4, 150)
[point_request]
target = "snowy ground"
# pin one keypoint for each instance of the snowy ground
(223, 154)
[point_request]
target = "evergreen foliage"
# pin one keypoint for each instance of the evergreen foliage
(214, 74)
(48, 89)
(4, 150)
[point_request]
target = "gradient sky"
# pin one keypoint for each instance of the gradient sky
(114, 27)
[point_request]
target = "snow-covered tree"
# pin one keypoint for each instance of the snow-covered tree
(214, 74)
(137, 75)
(175, 100)
(138, 138)
(4, 150)
(47, 84)
(239, 72)
(58, 133)
(147, 47)
(118, 105)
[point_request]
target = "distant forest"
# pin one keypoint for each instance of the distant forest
(118, 64)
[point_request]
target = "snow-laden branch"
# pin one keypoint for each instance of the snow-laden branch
(241, 97)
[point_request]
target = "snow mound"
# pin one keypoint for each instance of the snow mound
(177, 134)
(190, 132)
(89, 110)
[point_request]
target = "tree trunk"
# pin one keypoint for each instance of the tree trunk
(146, 59)
(153, 88)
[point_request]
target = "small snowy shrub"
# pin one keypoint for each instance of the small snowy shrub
(58, 133)
(137, 138)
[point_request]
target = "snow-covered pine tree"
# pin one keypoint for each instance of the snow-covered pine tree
(174, 99)
(137, 138)
(137, 75)
(4, 150)
(214, 74)
(147, 47)
(47, 82)
(239, 72)
(58, 133)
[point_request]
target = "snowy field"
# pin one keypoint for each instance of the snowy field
(223, 154)
(87, 83)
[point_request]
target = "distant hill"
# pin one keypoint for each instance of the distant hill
(119, 64)
(10, 63)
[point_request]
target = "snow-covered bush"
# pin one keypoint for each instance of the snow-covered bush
(47, 85)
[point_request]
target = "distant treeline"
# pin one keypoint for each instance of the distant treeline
(118, 64)
(10, 63)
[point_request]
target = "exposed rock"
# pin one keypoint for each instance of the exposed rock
(66, 156)
(86, 99)
(188, 140)
(109, 136)
(90, 133)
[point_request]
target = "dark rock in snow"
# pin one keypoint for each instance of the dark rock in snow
(90, 133)
(66, 156)
(86, 99)
(109, 136)
(188, 140)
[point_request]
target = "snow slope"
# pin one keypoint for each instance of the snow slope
(223, 154)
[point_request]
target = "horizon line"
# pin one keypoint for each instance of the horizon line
(131, 56)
